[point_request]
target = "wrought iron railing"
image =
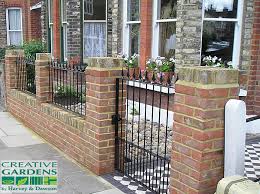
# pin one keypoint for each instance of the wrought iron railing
(68, 86)
(143, 129)
(25, 68)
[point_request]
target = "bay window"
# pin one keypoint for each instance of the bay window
(222, 22)
(131, 27)
(164, 28)
(14, 26)
(95, 28)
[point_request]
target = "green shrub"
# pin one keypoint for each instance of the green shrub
(33, 47)
(69, 91)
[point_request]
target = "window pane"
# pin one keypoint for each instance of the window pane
(133, 10)
(14, 16)
(95, 9)
(95, 39)
(15, 38)
(167, 39)
(220, 8)
(218, 39)
(134, 39)
(167, 9)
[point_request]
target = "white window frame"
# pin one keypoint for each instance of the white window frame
(7, 24)
(237, 33)
(126, 28)
(156, 28)
(64, 24)
(50, 16)
(93, 21)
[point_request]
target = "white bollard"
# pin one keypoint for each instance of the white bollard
(235, 137)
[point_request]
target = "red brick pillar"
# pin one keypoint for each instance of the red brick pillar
(11, 68)
(198, 135)
(145, 31)
(101, 77)
(56, 29)
(42, 77)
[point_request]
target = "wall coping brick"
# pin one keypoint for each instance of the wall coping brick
(105, 62)
(14, 52)
(43, 56)
(203, 76)
(64, 116)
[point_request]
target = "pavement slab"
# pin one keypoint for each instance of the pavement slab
(17, 142)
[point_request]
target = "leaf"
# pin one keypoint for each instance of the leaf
(8, 182)
(22, 181)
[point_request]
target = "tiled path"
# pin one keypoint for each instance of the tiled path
(19, 143)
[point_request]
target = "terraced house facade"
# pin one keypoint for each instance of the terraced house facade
(21, 21)
(187, 30)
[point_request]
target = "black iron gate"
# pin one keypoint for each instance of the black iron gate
(143, 131)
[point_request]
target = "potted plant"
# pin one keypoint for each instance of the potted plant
(151, 69)
(166, 69)
(132, 65)
(216, 62)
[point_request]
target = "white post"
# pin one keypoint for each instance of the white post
(235, 137)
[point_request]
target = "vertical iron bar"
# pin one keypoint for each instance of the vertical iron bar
(158, 140)
(145, 118)
(151, 148)
(116, 127)
(133, 110)
(127, 123)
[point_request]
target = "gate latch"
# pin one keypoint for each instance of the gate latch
(115, 119)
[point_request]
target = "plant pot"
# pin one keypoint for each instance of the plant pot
(150, 76)
(134, 73)
(167, 78)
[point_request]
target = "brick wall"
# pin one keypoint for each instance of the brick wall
(2, 24)
(188, 33)
(90, 139)
(36, 27)
(73, 17)
(198, 137)
(145, 31)
(246, 43)
(253, 98)
(44, 22)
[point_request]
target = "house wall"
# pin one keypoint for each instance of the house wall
(253, 98)
(2, 24)
(30, 22)
(188, 33)
(44, 22)
(114, 26)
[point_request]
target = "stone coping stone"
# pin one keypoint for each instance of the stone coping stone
(208, 75)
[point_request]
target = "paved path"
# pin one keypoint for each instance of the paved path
(19, 143)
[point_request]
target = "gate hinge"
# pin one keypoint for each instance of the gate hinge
(115, 119)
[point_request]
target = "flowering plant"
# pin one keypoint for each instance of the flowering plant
(216, 62)
(151, 65)
(166, 65)
(131, 62)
